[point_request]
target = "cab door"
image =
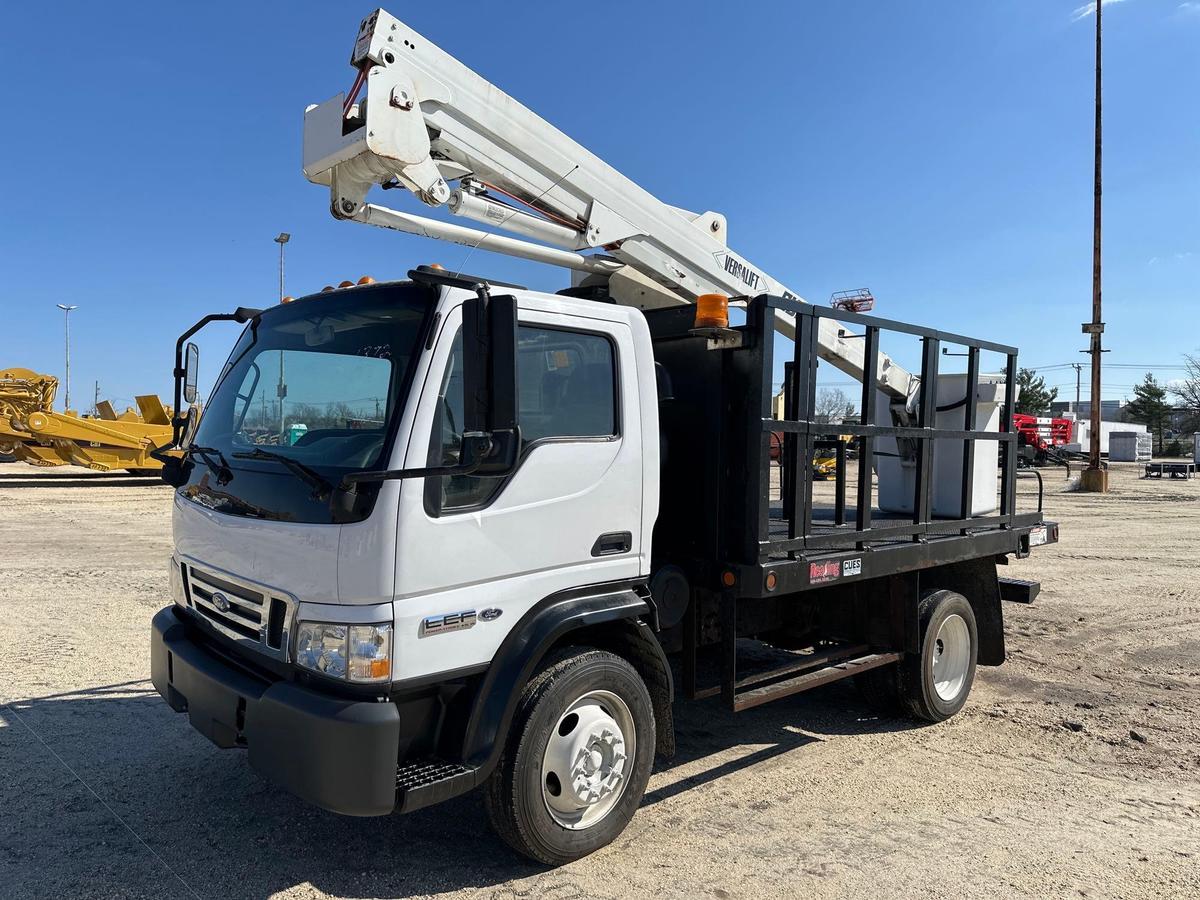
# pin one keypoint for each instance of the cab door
(570, 515)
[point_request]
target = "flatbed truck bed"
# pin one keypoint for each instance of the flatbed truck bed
(760, 554)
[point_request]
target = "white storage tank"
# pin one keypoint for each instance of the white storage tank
(1082, 443)
(1130, 446)
(898, 477)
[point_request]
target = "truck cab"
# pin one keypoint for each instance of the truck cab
(341, 631)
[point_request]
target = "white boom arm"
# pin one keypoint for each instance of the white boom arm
(428, 121)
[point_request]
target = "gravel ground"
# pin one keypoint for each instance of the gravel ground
(1073, 771)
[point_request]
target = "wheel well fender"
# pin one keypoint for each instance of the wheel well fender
(577, 616)
(975, 579)
(634, 640)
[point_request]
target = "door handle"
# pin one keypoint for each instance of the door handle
(612, 543)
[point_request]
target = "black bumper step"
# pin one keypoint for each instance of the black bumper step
(1017, 590)
(423, 782)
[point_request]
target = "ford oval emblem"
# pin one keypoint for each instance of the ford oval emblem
(490, 614)
(221, 602)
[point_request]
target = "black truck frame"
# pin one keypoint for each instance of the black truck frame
(748, 558)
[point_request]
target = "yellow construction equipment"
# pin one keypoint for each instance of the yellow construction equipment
(825, 458)
(33, 432)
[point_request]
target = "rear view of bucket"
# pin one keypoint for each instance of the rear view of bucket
(896, 464)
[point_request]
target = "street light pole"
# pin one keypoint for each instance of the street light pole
(283, 238)
(281, 390)
(67, 335)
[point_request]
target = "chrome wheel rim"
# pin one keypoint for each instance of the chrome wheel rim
(586, 763)
(951, 655)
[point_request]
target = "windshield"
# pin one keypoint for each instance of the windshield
(309, 394)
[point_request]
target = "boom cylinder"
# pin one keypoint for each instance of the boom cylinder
(498, 215)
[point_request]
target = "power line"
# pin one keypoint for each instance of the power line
(1112, 366)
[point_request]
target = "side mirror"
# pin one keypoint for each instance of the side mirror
(490, 454)
(490, 383)
(191, 372)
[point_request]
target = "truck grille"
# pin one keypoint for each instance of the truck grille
(247, 614)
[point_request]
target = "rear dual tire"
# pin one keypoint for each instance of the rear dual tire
(932, 685)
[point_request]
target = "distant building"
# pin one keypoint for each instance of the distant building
(1110, 410)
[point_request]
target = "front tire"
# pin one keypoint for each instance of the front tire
(577, 760)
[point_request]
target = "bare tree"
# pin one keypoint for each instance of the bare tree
(1187, 389)
(832, 406)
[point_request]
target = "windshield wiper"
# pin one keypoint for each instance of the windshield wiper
(321, 487)
(220, 468)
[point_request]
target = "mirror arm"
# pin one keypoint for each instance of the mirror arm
(242, 315)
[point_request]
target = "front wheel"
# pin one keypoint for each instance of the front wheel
(577, 759)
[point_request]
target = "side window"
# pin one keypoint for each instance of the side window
(567, 390)
(567, 383)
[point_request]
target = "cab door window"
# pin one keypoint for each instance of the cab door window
(566, 391)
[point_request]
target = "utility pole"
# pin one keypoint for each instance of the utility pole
(1095, 478)
(67, 334)
(1078, 367)
(96, 400)
(281, 390)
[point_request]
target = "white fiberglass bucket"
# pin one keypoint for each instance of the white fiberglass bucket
(898, 477)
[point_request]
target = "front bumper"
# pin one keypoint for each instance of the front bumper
(338, 754)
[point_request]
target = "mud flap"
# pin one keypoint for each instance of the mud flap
(976, 580)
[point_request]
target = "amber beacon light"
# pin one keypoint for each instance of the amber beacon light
(712, 311)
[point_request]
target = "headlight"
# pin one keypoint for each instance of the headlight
(350, 652)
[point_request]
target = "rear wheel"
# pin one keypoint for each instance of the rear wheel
(577, 759)
(934, 685)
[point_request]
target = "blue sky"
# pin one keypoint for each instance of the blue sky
(936, 152)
